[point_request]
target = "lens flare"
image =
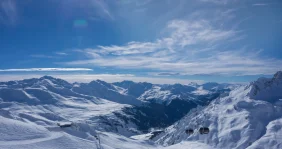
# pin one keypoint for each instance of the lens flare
(80, 23)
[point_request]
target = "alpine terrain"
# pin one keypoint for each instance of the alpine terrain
(49, 112)
(249, 117)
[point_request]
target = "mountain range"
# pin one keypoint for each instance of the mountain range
(154, 115)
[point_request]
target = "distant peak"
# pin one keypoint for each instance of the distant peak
(47, 77)
(127, 81)
(278, 75)
(267, 88)
(193, 84)
(101, 81)
(211, 83)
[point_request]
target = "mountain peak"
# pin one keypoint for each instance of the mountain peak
(193, 84)
(266, 88)
(278, 75)
(47, 77)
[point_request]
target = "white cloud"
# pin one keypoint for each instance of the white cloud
(260, 4)
(190, 48)
(45, 69)
(106, 77)
(42, 56)
(218, 1)
(61, 53)
(183, 34)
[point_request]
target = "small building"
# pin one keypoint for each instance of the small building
(64, 124)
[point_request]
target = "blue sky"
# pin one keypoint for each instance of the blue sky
(159, 41)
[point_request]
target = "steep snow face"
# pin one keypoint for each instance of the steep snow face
(267, 89)
(46, 101)
(250, 117)
(272, 138)
(157, 93)
(134, 89)
(105, 90)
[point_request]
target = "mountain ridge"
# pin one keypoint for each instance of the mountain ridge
(249, 117)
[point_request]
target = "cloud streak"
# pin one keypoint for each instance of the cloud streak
(260, 4)
(45, 69)
(42, 56)
(191, 48)
(106, 77)
(182, 34)
(8, 12)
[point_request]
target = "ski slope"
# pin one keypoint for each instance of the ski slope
(16, 134)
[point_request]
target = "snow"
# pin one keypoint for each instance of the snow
(200, 91)
(247, 118)
(156, 93)
(20, 135)
(189, 145)
(142, 136)
(23, 131)
(272, 138)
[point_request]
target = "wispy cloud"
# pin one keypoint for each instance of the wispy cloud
(8, 12)
(218, 1)
(103, 9)
(182, 35)
(42, 56)
(191, 48)
(61, 53)
(260, 4)
(90, 9)
(45, 69)
(106, 77)
(54, 55)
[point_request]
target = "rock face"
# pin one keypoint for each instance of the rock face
(249, 117)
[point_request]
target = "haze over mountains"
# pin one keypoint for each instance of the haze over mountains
(239, 116)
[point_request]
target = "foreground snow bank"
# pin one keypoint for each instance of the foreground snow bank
(13, 130)
(16, 134)
(189, 145)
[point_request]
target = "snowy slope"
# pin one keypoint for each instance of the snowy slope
(46, 101)
(33, 107)
(250, 117)
(16, 134)
(99, 101)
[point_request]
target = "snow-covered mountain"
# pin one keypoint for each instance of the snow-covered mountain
(165, 104)
(122, 107)
(46, 101)
(33, 107)
(249, 117)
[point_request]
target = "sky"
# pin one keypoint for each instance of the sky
(158, 41)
